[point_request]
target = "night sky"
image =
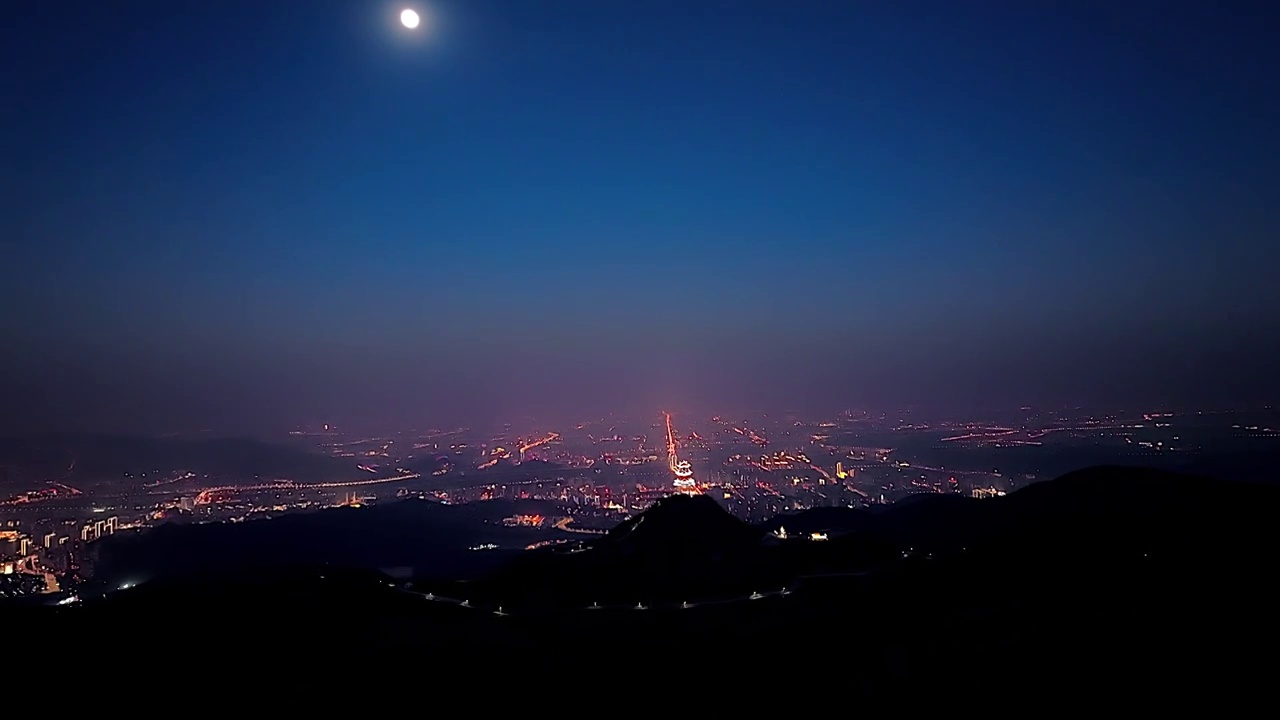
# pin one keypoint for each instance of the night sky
(243, 213)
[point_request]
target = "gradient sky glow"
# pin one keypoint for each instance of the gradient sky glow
(245, 212)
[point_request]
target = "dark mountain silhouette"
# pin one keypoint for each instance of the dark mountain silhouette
(422, 537)
(1105, 501)
(683, 546)
(1111, 582)
(836, 521)
(680, 524)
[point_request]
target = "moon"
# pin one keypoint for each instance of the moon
(409, 18)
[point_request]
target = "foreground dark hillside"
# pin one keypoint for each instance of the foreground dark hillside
(411, 536)
(683, 548)
(1098, 505)
(1106, 583)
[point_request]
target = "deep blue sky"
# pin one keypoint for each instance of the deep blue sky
(250, 211)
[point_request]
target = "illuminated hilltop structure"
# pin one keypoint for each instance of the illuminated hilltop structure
(684, 481)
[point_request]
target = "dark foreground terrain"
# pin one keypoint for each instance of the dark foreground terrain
(410, 536)
(1106, 583)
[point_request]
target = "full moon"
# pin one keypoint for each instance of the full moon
(409, 19)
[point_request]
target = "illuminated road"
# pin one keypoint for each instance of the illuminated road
(82, 503)
(67, 505)
(686, 605)
(551, 437)
(563, 524)
(206, 494)
(944, 471)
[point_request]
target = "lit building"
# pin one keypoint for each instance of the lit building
(524, 521)
(8, 542)
(684, 481)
